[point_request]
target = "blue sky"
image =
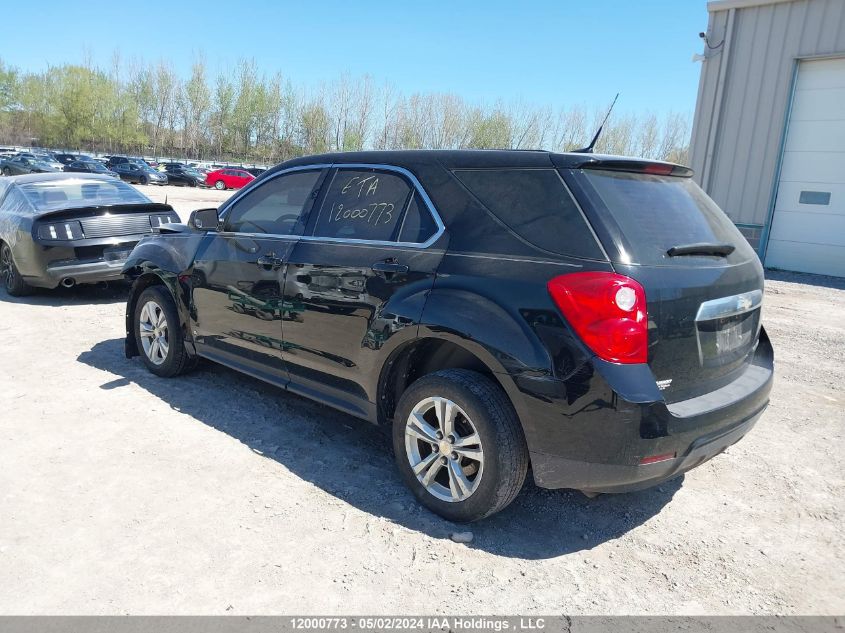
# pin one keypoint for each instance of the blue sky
(562, 52)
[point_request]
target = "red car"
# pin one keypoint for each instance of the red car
(228, 178)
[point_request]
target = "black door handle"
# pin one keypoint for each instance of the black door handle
(269, 261)
(389, 268)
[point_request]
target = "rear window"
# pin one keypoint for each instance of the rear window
(655, 213)
(535, 204)
(53, 195)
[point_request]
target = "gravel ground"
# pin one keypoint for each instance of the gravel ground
(121, 492)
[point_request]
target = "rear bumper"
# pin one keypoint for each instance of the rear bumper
(84, 273)
(47, 267)
(598, 433)
(551, 471)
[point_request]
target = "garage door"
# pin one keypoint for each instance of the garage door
(808, 227)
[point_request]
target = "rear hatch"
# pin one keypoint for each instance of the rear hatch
(703, 281)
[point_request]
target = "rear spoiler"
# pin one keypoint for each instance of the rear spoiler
(615, 163)
(88, 211)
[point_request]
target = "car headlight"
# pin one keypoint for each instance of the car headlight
(163, 218)
(59, 231)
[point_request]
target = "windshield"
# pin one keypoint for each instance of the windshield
(655, 213)
(94, 166)
(65, 194)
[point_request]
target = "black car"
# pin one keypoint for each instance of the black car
(67, 159)
(142, 174)
(90, 166)
(594, 317)
(70, 228)
(113, 161)
(182, 176)
(24, 164)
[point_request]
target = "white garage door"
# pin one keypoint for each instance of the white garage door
(808, 227)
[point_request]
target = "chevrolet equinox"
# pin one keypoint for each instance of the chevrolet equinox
(593, 318)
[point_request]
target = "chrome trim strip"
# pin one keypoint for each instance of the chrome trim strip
(441, 228)
(729, 306)
(507, 258)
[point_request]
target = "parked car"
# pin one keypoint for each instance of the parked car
(255, 171)
(70, 228)
(24, 164)
(183, 176)
(67, 159)
(48, 159)
(142, 174)
(596, 317)
(113, 161)
(228, 178)
(90, 166)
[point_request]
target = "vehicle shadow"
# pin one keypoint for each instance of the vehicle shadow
(85, 294)
(353, 461)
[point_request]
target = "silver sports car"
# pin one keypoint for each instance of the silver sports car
(65, 228)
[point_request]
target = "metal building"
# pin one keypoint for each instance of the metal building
(768, 139)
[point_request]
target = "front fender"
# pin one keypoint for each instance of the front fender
(162, 260)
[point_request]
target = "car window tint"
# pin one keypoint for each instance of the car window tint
(656, 213)
(363, 205)
(47, 196)
(534, 204)
(418, 224)
(278, 206)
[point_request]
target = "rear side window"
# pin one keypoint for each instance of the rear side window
(418, 224)
(535, 204)
(655, 213)
(363, 205)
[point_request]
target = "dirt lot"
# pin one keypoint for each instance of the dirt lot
(214, 493)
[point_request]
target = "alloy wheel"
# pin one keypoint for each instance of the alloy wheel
(444, 449)
(152, 327)
(6, 266)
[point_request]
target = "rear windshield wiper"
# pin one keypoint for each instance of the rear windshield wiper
(703, 248)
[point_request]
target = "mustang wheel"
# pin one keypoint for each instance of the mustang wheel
(220, 185)
(159, 334)
(9, 275)
(459, 445)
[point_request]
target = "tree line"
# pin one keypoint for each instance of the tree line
(248, 116)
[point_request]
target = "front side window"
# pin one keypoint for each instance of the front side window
(363, 205)
(279, 206)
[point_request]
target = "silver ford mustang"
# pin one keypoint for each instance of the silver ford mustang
(63, 229)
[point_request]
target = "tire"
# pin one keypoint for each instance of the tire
(484, 413)
(12, 281)
(220, 185)
(175, 359)
(144, 180)
(7, 171)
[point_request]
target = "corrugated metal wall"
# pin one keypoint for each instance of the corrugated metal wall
(744, 94)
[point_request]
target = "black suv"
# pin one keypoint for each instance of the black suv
(595, 318)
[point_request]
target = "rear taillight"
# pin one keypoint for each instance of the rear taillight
(608, 312)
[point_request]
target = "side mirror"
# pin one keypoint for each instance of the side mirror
(204, 220)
